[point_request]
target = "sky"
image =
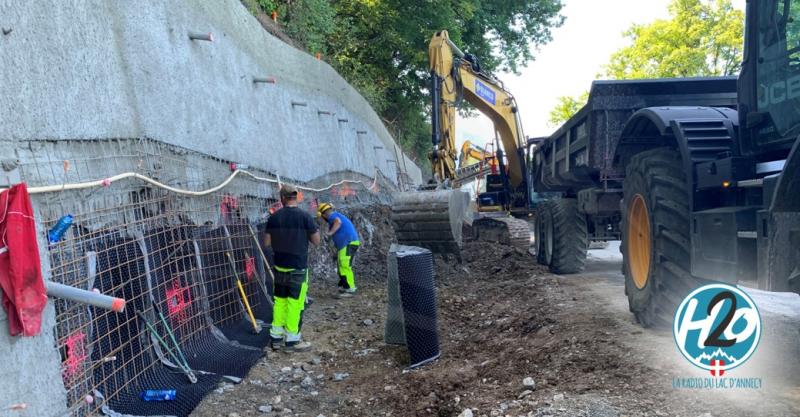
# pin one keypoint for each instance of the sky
(568, 64)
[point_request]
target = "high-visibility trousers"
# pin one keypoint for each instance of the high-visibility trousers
(291, 286)
(347, 279)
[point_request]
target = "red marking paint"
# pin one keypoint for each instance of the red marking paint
(717, 367)
(249, 266)
(179, 300)
(275, 207)
(346, 191)
(76, 357)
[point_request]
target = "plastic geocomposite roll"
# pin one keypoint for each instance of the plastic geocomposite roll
(411, 318)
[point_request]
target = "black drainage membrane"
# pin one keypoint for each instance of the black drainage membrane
(411, 312)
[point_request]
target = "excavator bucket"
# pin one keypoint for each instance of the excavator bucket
(431, 219)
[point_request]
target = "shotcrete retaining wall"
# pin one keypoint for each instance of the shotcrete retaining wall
(96, 69)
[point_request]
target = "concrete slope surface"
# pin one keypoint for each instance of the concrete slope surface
(98, 69)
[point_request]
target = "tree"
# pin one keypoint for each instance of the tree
(567, 107)
(381, 46)
(701, 38)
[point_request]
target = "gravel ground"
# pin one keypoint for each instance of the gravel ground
(515, 341)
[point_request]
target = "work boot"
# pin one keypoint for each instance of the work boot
(297, 346)
(275, 343)
(348, 293)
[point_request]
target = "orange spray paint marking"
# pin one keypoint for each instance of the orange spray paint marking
(179, 300)
(275, 207)
(346, 191)
(274, 16)
(249, 267)
(76, 357)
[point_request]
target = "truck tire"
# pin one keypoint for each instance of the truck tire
(544, 233)
(655, 236)
(570, 237)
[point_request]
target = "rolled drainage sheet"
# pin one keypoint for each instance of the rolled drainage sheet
(411, 318)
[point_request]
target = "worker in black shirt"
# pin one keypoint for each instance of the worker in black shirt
(288, 232)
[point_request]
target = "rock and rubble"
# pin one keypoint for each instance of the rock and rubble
(515, 341)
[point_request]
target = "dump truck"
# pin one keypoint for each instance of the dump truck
(699, 178)
(577, 162)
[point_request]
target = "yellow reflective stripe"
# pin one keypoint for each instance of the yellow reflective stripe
(282, 269)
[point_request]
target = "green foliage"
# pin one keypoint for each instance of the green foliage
(381, 46)
(567, 107)
(267, 5)
(309, 22)
(701, 38)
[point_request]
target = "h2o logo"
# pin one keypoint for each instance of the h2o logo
(717, 327)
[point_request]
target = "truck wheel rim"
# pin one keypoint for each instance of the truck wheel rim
(639, 243)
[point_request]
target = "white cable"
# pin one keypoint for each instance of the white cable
(108, 181)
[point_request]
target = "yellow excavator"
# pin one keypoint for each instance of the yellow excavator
(472, 154)
(434, 216)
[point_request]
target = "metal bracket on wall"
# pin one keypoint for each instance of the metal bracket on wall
(342, 120)
(197, 36)
(361, 132)
(321, 112)
(263, 80)
(299, 103)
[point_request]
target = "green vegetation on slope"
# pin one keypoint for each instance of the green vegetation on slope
(381, 46)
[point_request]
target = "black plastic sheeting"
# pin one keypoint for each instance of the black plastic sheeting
(178, 294)
(225, 305)
(124, 335)
(415, 290)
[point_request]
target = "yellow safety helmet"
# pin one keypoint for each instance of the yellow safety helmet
(322, 208)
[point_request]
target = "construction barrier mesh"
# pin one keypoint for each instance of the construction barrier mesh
(174, 258)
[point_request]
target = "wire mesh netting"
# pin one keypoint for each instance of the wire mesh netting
(178, 261)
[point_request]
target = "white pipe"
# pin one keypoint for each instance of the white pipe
(108, 181)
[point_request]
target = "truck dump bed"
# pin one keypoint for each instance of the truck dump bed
(578, 155)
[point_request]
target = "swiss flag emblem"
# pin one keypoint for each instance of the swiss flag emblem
(717, 367)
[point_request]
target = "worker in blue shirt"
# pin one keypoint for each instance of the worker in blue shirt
(345, 237)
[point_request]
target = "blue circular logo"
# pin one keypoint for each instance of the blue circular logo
(717, 327)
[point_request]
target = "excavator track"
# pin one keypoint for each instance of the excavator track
(503, 229)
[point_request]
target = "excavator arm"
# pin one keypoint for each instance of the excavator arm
(471, 154)
(456, 76)
(434, 219)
